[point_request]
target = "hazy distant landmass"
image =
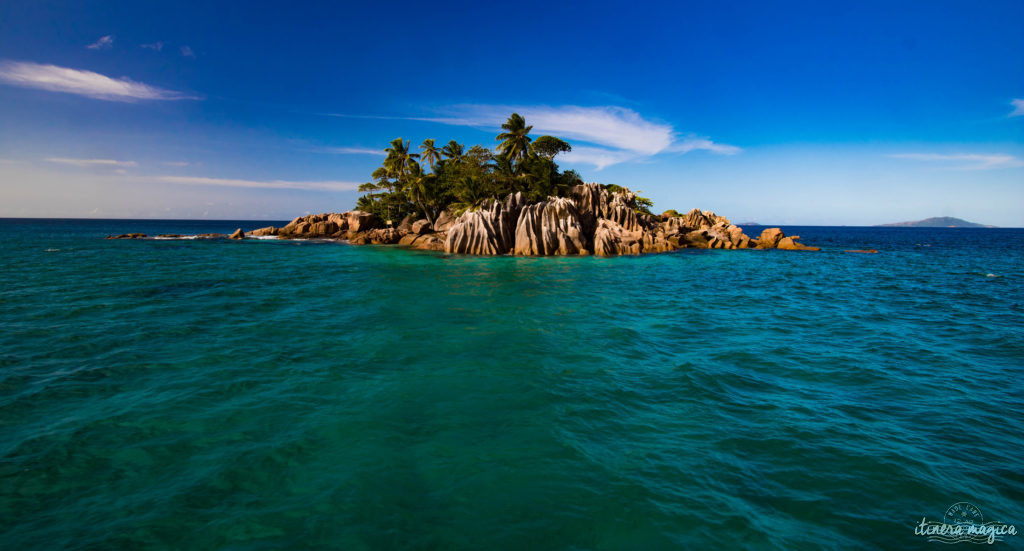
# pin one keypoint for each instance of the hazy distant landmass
(938, 222)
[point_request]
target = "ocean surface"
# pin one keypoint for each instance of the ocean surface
(289, 395)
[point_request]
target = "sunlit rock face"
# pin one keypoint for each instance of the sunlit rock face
(590, 220)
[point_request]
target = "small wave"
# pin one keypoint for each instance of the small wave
(52, 250)
(993, 275)
(261, 237)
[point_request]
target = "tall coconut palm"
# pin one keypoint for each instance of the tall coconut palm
(430, 154)
(454, 150)
(398, 160)
(515, 141)
(420, 188)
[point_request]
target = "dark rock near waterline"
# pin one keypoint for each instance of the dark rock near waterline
(238, 234)
(128, 236)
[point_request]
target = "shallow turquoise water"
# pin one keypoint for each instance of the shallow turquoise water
(267, 395)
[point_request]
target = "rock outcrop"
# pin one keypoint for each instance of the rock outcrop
(428, 242)
(612, 239)
(264, 232)
(590, 220)
(128, 236)
(488, 230)
(444, 221)
(420, 227)
(238, 234)
(550, 228)
(774, 238)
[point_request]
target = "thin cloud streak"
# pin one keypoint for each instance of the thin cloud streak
(976, 161)
(83, 83)
(156, 46)
(269, 184)
(87, 163)
(104, 43)
(1018, 108)
(355, 151)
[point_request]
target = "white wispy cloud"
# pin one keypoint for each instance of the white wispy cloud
(91, 163)
(266, 184)
(176, 163)
(965, 161)
(104, 43)
(621, 133)
(187, 52)
(694, 143)
(156, 46)
(599, 157)
(355, 151)
(84, 83)
(1018, 108)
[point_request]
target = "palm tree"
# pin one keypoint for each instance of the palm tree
(398, 160)
(515, 141)
(454, 150)
(431, 154)
(420, 188)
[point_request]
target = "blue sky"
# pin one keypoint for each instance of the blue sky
(787, 113)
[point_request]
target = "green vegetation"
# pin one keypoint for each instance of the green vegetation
(455, 178)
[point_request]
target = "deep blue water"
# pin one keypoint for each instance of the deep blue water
(287, 395)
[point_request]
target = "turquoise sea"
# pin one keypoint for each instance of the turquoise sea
(293, 395)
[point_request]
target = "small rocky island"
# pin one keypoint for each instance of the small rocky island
(591, 220)
(514, 200)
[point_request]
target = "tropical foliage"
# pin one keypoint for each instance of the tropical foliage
(456, 178)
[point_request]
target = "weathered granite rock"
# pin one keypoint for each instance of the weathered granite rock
(444, 221)
(790, 244)
(405, 225)
(421, 227)
(360, 221)
(428, 242)
(488, 230)
(770, 238)
(592, 220)
(698, 219)
(325, 225)
(774, 238)
(168, 236)
(210, 236)
(238, 234)
(611, 239)
(383, 236)
(261, 232)
(550, 228)
(128, 236)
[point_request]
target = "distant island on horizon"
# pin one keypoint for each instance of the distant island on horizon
(936, 222)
